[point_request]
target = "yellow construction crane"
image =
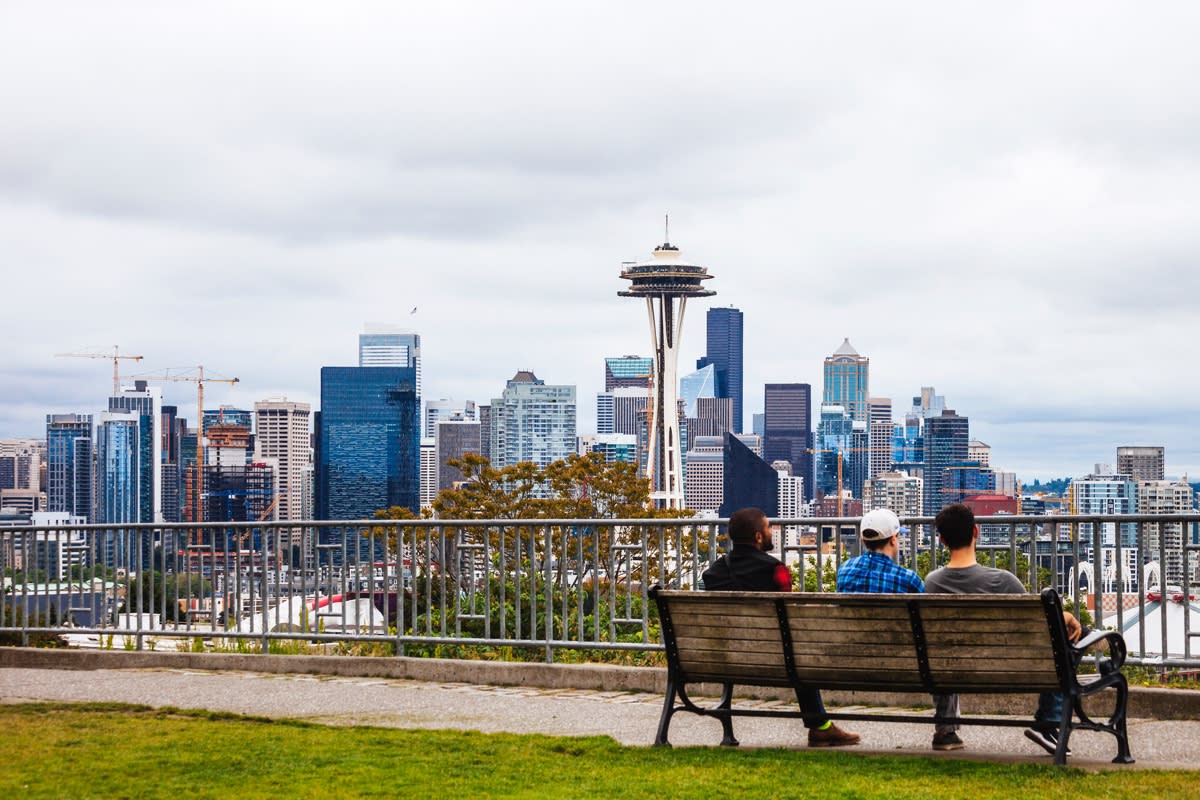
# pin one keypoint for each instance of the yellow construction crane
(199, 379)
(116, 357)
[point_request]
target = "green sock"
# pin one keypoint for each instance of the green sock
(826, 726)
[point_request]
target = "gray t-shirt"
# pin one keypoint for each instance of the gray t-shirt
(976, 579)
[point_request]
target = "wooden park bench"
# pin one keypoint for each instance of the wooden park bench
(964, 644)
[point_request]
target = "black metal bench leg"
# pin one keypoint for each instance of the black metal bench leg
(728, 740)
(1117, 724)
(664, 721)
(1064, 733)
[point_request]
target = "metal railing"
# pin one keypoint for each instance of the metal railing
(538, 586)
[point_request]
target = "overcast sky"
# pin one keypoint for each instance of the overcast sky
(998, 200)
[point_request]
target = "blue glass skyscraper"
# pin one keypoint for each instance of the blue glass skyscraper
(724, 351)
(69, 464)
(368, 442)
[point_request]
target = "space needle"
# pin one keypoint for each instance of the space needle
(666, 281)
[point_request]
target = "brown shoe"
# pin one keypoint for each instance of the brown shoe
(833, 736)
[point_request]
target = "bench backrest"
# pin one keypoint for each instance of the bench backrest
(907, 642)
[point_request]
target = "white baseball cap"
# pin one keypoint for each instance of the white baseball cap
(878, 525)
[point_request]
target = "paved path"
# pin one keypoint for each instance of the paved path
(628, 717)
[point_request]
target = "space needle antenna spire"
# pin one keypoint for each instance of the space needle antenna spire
(666, 281)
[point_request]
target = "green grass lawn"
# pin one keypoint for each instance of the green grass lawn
(114, 751)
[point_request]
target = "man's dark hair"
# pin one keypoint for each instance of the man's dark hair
(875, 544)
(744, 523)
(956, 525)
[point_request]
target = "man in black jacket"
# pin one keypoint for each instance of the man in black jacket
(748, 567)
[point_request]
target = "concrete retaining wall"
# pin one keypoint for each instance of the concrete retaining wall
(1143, 702)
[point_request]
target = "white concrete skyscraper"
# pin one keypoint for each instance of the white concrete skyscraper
(282, 435)
(666, 282)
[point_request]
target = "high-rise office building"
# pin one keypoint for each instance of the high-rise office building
(120, 485)
(613, 446)
(791, 505)
(367, 442)
(694, 385)
(282, 435)
(532, 421)
(880, 435)
(787, 429)
(1164, 541)
(69, 465)
(1103, 492)
(429, 471)
(704, 475)
(898, 491)
(146, 402)
(390, 346)
(20, 463)
(665, 283)
(455, 438)
(627, 371)
(965, 479)
(946, 437)
(438, 410)
(835, 433)
(980, 452)
(724, 353)
(846, 382)
(1141, 463)
(621, 410)
(749, 481)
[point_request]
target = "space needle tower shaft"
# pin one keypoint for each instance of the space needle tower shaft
(666, 282)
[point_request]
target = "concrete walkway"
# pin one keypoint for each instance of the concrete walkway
(629, 717)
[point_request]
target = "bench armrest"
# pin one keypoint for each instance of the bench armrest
(1114, 640)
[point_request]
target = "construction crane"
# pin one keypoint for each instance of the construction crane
(116, 357)
(839, 466)
(199, 379)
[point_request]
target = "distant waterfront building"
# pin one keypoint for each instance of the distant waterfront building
(69, 464)
(846, 382)
(532, 421)
(390, 346)
(787, 429)
(282, 434)
(724, 353)
(1141, 463)
(367, 442)
(946, 437)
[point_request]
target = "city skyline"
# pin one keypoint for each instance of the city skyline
(975, 206)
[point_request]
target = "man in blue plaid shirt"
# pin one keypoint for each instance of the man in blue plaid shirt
(876, 569)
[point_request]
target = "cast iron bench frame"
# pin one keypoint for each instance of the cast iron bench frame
(931, 643)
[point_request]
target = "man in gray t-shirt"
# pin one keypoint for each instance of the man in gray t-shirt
(964, 575)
